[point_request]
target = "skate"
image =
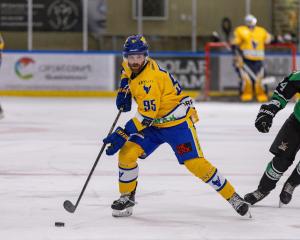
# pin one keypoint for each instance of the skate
(255, 196)
(123, 207)
(286, 193)
(239, 205)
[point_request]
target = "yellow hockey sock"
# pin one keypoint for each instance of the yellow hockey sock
(204, 170)
(128, 167)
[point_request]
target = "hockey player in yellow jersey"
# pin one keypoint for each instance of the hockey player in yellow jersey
(249, 49)
(1, 49)
(164, 115)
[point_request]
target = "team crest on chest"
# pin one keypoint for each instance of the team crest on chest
(254, 44)
(147, 88)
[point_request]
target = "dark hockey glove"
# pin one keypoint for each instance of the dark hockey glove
(116, 140)
(124, 99)
(265, 116)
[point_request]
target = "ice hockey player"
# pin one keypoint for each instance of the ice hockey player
(1, 48)
(164, 115)
(286, 144)
(248, 47)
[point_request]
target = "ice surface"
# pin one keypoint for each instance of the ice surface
(48, 147)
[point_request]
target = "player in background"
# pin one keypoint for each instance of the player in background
(248, 45)
(286, 144)
(164, 115)
(1, 49)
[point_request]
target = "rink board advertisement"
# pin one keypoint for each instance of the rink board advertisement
(48, 15)
(188, 69)
(48, 71)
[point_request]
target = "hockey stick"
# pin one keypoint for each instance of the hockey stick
(68, 205)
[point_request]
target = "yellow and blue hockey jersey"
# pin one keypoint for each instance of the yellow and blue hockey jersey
(159, 97)
(1, 42)
(251, 41)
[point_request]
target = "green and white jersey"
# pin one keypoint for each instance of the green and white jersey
(286, 89)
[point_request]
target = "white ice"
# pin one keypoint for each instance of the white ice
(48, 146)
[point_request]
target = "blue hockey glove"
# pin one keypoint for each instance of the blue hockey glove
(265, 116)
(124, 98)
(116, 140)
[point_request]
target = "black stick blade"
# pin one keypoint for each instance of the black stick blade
(69, 206)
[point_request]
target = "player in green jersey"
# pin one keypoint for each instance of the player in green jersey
(286, 144)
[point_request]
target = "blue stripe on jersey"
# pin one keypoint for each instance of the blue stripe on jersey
(161, 69)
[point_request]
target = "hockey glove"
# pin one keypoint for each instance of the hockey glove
(238, 61)
(116, 140)
(265, 116)
(124, 99)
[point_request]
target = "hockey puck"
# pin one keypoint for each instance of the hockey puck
(59, 224)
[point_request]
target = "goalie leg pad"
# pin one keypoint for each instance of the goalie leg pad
(261, 93)
(246, 89)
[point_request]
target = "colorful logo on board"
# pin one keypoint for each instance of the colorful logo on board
(24, 68)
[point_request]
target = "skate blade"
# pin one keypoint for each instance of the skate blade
(248, 214)
(281, 204)
(122, 213)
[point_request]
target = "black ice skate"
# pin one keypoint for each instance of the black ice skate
(123, 207)
(239, 205)
(255, 196)
(286, 193)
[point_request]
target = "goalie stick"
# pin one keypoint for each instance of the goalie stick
(266, 80)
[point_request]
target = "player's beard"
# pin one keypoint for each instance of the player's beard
(135, 67)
